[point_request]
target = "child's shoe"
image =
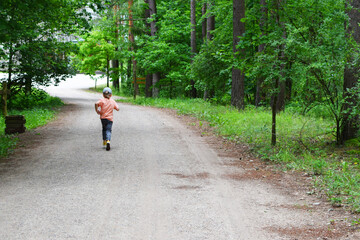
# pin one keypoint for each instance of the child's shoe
(107, 145)
(104, 143)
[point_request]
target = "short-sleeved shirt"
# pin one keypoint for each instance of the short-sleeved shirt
(107, 107)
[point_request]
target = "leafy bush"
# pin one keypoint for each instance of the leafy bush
(38, 109)
(37, 98)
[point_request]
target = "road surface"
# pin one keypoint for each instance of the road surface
(161, 180)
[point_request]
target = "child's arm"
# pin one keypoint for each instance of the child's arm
(116, 106)
(97, 108)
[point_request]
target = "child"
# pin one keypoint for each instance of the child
(105, 107)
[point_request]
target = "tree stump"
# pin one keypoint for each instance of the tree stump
(15, 124)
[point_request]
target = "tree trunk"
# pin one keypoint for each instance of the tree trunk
(148, 79)
(281, 85)
(193, 41)
(10, 66)
(237, 90)
(28, 86)
(288, 84)
(107, 72)
(152, 8)
(204, 23)
(156, 76)
(155, 80)
(273, 113)
(210, 26)
(280, 105)
(350, 125)
(274, 100)
(210, 23)
(115, 62)
(148, 84)
(132, 42)
(136, 86)
(261, 48)
(115, 73)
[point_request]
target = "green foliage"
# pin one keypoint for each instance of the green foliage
(311, 51)
(168, 53)
(38, 109)
(37, 98)
(211, 69)
(95, 52)
(7, 143)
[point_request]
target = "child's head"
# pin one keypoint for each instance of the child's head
(107, 93)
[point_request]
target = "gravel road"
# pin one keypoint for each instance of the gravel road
(161, 181)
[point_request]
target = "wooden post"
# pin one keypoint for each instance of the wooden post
(4, 92)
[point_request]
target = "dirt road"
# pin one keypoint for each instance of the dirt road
(161, 180)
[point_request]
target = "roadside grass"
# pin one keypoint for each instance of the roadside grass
(38, 110)
(304, 143)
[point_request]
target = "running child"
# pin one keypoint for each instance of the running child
(105, 107)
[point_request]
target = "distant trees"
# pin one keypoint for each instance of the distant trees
(95, 53)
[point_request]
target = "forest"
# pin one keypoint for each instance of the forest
(275, 56)
(258, 53)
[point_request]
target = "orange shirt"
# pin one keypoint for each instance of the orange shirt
(107, 107)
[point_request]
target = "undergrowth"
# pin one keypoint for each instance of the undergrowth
(304, 143)
(38, 108)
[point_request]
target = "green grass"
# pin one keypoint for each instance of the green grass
(42, 111)
(305, 143)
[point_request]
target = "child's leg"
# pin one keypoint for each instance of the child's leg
(109, 130)
(104, 124)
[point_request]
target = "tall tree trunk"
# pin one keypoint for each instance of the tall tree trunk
(115, 73)
(129, 69)
(210, 26)
(238, 77)
(204, 35)
(274, 101)
(280, 105)
(288, 84)
(204, 22)
(148, 84)
(261, 48)
(149, 77)
(156, 76)
(193, 41)
(107, 72)
(132, 41)
(115, 62)
(210, 21)
(351, 125)
(28, 86)
(10, 66)
(273, 113)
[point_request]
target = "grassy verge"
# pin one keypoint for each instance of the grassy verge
(304, 143)
(37, 112)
